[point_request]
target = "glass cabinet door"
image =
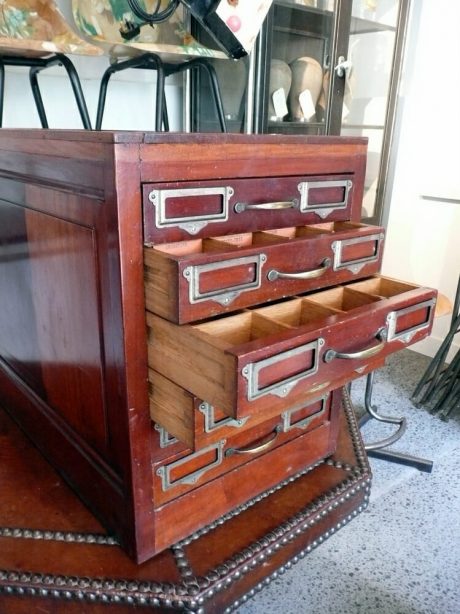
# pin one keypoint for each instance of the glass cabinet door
(318, 67)
(296, 74)
(287, 85)
(375, 46)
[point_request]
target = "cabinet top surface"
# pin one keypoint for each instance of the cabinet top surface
(136, 137)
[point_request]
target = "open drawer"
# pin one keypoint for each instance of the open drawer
(290, 442)
(240, 363)
(183, 210)
(180, 416)
(196, 279)
(198, 424)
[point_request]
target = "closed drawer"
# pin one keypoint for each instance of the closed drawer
(183, 210)
(196, 279)
(198, 424)
(288, 443)
(240, 363)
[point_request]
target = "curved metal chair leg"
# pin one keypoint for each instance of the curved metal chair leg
(375, 449)
(401, 422)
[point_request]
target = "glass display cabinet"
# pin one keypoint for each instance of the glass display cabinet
(318, 67)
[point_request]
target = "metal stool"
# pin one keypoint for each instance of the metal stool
(36, 65)
(168, 49)
(152, 61)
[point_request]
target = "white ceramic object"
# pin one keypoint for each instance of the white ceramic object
(307, 82)
(280, 85)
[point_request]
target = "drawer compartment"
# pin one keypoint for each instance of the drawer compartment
(197, 424)
(184, 210)
(240, 363)
(196, 279)
(297, 439)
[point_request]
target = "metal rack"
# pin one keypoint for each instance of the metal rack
(439, 386)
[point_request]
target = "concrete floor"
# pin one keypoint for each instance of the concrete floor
(402, 555)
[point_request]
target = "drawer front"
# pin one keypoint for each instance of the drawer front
(184, 210)
(193, 280)
(309, 430)
(180, 416)
(241, 363)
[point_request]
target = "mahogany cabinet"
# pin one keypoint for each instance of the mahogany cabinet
(179, 313)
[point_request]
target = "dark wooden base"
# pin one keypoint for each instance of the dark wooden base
(56, 557)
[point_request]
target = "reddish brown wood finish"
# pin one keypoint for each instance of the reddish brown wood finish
(307, 446)
(351, 325)
(197, 279)
(169, 216)
(63, 576)
(73, 343)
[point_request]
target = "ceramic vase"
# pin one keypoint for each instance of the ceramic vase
(307, 81)
(280, 79)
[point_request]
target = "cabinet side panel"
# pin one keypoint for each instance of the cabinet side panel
(51, 331)
(18, 329)
(65, 301)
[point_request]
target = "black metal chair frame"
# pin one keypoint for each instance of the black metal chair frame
(151, 61)
(36, 65)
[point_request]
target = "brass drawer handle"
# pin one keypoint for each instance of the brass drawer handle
(259, 447)
(282, 204)
(381, 335)
(273, 275)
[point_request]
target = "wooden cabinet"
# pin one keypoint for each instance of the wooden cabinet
(179, 313)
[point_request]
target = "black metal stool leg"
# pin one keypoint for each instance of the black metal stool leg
(165, 114)
(375, 449)
(216, 93)
(77, 89)
(147, 61)
(2, 90)
(65, 62)
(37, 96)
(214, 83)
(160, 90)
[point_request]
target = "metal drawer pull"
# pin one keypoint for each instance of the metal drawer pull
(381, 335)
(267, 443)
(282, 204)
(273, 275)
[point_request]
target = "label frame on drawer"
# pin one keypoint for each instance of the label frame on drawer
(191, 224)
(325, 209)
(211, 424)
(164, 472)
(280, 389)
(406, 335)
(354, 266)
(166, 439)
(304, 423)
(226, 295)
